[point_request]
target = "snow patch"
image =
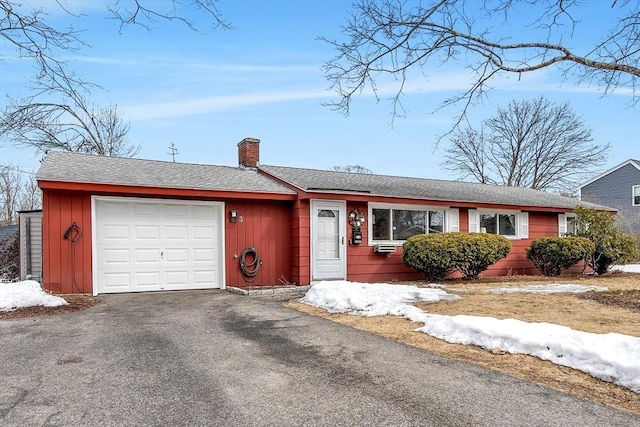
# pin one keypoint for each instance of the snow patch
(610, 357)
(549, 289)
(26, 294)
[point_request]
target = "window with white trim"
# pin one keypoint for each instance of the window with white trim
(567, 224)
(510, 224)
(396, 223)
(636, 195)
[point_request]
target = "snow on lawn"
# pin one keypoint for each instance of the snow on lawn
(629, 268)
(26, 294)
(549, 289)
(610, 357)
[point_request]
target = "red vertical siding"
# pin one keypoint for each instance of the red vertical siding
(266, 227)
(541, 224)
(67, 266)
(301, 242)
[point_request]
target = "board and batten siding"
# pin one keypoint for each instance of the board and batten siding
(31, 245)
(67, 265)
(266, 227)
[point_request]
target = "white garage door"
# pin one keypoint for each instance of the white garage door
(155, 245)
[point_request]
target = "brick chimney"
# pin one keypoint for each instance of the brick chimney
(249, 153)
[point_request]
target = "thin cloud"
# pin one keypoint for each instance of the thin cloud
(216, 104)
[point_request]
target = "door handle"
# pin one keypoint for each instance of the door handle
(343, 240)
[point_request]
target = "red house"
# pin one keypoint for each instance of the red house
(129, 225)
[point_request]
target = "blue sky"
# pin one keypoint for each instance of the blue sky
(205, 92)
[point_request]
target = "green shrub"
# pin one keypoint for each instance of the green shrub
(612, 246)
(436, 255)
(476, 252)
(552, 255)
(429, 254)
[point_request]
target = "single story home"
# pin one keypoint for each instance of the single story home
(129, 225)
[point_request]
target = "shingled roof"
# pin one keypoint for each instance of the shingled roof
(92, 169)
(419, 188)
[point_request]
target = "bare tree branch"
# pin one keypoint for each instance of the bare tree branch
(387, 38)
(147, 13)
(531, 143)
(75, 126)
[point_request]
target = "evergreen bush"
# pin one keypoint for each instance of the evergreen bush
(612, 246)
(437, 255)
(552, 255)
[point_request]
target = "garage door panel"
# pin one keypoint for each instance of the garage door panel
(204, 277)
(147, 232)
(177, 255)
(179, 211)
(147, 256)
(178, 278)
(148, 279)
(204, 255)
(116, 257)
(150, 245)
(204, 211)
(146, 209)
(116, 209)
(115, 232)
(204, 232)
(177, 232)
(117, 280)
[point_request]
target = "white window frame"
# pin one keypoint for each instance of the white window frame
(521, 226)
(451, 218)
(563, 223)
(633, 195)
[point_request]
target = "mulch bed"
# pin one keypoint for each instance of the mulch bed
(76, 302)
(629, 299)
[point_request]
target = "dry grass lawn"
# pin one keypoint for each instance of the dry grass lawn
(615, 311)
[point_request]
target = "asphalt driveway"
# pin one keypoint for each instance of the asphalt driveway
(214, 358)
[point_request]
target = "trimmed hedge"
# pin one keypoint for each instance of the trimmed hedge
(437, 255)
(552, 255)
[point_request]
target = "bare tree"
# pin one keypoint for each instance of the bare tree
(10, 188)
(531, 143)
(57, 114)
(73, 125)
(30, 194)
(389, 38)
(353, 169)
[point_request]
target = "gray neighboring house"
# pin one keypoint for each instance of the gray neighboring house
(619, 188)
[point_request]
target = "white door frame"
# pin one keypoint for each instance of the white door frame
(94, 235)
(341, 262)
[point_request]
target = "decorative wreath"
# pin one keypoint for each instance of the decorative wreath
(356, 218)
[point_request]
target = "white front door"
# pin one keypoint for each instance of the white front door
(328, 249)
